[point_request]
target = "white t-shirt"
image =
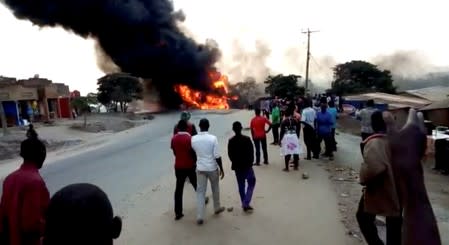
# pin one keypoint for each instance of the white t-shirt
(205, 146)
(309, 116)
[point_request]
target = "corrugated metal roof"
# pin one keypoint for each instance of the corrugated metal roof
(444, 104)
(435, 93)
(393, 101)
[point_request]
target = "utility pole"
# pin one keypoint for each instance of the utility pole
(308, 58)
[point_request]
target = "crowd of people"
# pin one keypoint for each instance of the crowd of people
(391, 176)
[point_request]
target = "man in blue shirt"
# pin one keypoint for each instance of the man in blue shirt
(324, 124)
(333, 111)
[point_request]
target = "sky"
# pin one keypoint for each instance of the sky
(348, 30)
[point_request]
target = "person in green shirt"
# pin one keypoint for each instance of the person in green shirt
(275, 122)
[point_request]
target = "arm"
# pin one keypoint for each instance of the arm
(34, 205)
(194, 132)
(231, 152)
(269, 125)
(218, 158)
(250, 151)
(376, 158)
(281, 135)
(171, 147)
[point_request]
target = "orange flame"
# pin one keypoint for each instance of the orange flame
(207, 101)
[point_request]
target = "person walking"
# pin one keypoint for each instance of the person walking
(365, 116)
(308, 119)
(241, 154)
(380, 196)
(290, 145)
(185, 158)
(191, 129)
(258, 133)
(208, 167)
(334, 113)
(275, 122)
(324, 131)
(25, 196)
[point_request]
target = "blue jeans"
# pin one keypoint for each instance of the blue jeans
(246, 192)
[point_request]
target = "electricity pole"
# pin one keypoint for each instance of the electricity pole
(308, 58)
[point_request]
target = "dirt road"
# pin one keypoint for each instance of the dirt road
(288, 210)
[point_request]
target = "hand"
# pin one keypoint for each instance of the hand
(408, 147)
(222, 174)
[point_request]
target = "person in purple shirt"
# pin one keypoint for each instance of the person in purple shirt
(324, 125)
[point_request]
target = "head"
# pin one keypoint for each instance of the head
(81, 214)
(32, 150)
(323, 106)
(204, 125)
(257, 111)
(185, 115)
(370, 103)
(378, 123)
(237, 128)
(182, 125)
(307, 103)
(331, 103)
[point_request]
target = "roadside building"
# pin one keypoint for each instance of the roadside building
(398, 105)
(433, 94)
(437, 112)
(19, 103)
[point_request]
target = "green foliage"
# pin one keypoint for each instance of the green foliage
(119, 88)
(81, 104)
(283, 86)
(361, 77)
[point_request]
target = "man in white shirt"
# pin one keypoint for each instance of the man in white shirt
(308, 119)
(208, 166)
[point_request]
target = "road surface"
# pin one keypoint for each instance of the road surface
(135, 168)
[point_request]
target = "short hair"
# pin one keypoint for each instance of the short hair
(370, 103)
(81, 214)
(237, 127)
(182, 125)
(185, 115)
(204, 124)
(257, 111)
(32, 149)
(331, 103)
(377, 122)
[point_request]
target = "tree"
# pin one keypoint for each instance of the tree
(119, 88)
(283, 86)
(82, 106)
(361, 77)
(246, 92)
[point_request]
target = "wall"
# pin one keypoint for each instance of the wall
(439, 117)
(17, 92)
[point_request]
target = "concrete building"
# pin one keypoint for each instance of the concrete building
(34, 99)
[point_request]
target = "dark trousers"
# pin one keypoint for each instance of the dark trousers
(369, 229)
(334, 142)
(327, 143)
(275, 129)
(309, 140)
(366, 135)
(295, 161)
(181, 176)
(257, 143)
(246, 191)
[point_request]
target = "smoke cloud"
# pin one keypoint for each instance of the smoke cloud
(247, 62)
(140, 37)
(405, 64)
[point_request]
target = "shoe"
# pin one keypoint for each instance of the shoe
(331, 158)
(309, 158)
(179, 216)
(273, 143)
(206, 200)
(220, 210)
(266, 163)
(316, 157)
(248, 209)
(256, 164)
(200, 222)
(285, 170)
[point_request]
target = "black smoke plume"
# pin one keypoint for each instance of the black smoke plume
(141, 37)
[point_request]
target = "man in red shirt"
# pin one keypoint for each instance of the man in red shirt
(25, 197)
(259, 135)
(185, 158)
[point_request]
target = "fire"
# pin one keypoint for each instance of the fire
(218, 99)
